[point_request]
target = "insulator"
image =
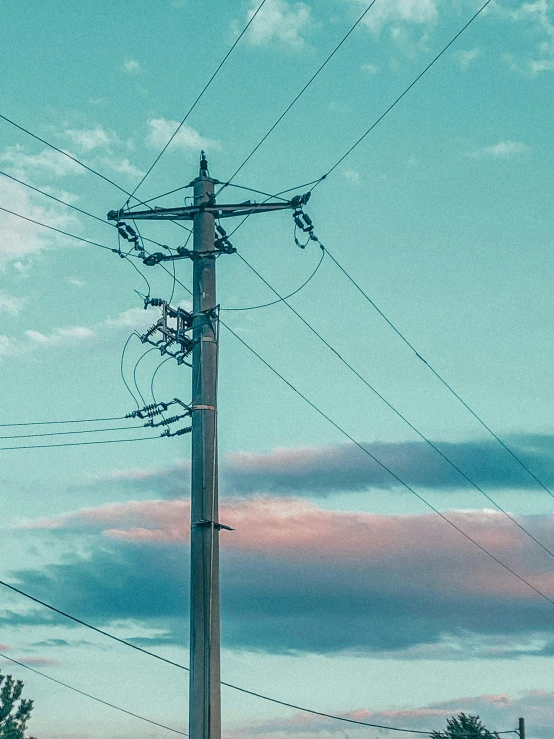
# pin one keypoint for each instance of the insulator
(307, 219)
(131, 230)
(298, 222)
(156, 302)
(221, 230)
(123, 233)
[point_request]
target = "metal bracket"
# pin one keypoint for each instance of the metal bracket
(218, 526)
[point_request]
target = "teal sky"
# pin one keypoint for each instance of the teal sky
(352, 598)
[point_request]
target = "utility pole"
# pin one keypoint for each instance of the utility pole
(205, 686)
(521, 730)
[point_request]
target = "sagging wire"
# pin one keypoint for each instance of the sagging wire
(139, 360)
(134, 333)
(286, 297)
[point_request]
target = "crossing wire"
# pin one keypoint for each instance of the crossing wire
(69, 205)
(398, 413)
(407, 90)
(439, 377)
(299, 95)
(376, 460)
(88, 695)
(58, 230)
(193, 106)
(226, 684)
(77, 161)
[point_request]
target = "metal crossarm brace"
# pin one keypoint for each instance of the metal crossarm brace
(218, 211)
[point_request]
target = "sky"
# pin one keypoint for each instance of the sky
(400, 598)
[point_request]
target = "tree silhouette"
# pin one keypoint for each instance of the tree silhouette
(470, 727)
(15, 711)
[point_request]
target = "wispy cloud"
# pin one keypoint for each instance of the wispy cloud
(160, 131)
(466, 58)
(279, 22)
(499, 712)
(539, 15)
(501, 150)
(88, 139)
(131, 66)
(419, 12)
(10, 303)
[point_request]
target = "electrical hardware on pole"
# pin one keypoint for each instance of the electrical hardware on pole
(179, 333)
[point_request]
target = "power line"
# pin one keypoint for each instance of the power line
(290, 295)
(302, 91)
(88, 695)
(369, 454)
(46, 423)
(64, 153)
(398, 413)
(228, 685)
(64, 433)
(182, 667)
(386, 468)
(58, 230)
(69, 205)
(407, 90)
(77, 161)
(193, 106)
(439, 377)
(77, 443)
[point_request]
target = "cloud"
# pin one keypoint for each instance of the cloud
(418, 12)
(131, 66)
(59, 336)
(502, 150)
(11, 304)
(465, 58)
(312, 580)
(352, 175)
(47, 162)
(498, 712)
(538, 15)
(279, 21)
(162, 129)
(20, 239)
(320, 471)
(370, 68)
(88, 139)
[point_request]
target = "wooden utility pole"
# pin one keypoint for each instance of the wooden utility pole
(521, 730)
(205, 686)
(205, 698)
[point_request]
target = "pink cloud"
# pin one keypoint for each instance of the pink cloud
(296, 530)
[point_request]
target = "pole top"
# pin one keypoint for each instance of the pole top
(204, 172)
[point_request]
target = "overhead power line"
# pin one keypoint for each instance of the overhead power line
(77, 431)
(299, 95)
(193, 106)
(88, 695)
(77, 443)
(77, 161)
(47, 423)
(58, 230)
(407, 90)
(381, 397)
(228, 685)
(440, 378)
(64, 153)
(290, 295)
(375, 459)
(69, 205)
